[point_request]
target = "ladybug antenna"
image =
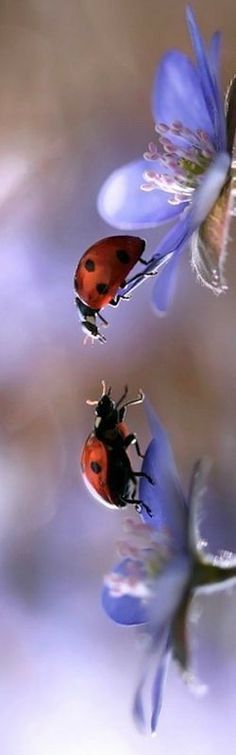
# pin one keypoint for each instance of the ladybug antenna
(91, 403)
(103, 388)
(139, 400)
(94, 403)
(109, 391)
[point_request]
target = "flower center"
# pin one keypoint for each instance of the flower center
(184, 154)
(146, 552)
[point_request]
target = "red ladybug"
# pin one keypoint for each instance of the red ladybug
(101, 272)
(105, 464)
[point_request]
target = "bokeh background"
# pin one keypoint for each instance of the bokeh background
(75, 79)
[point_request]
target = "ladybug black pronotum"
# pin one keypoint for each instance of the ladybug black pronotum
(105, 464)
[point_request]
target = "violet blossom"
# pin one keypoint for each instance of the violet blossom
(187, 172)
(165, 564)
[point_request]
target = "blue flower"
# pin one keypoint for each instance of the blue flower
(164, 566)
(187, 173)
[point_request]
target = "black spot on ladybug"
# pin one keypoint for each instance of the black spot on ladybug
(102, 288)
(89, 265)
(96, 467)
(123, 256)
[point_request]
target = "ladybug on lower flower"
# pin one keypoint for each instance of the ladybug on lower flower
(105, 464)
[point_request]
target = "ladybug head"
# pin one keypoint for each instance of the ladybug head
(90, 328)
(104, 406)
(88, 321)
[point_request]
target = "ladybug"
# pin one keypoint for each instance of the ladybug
(105, 464)
(100, 274)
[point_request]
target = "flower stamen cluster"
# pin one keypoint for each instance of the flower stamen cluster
(146, 552)
(185, 157)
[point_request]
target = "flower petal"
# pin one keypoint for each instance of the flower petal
(153, 658)
(163, 257)
(164, 289)
(165, 498)
(209, 244)
(213, 55)
(208, 192)
(223, 560)
(159, 684)
(138, 708)
(123, 204)
(214, 65)
(137, 280)
(209, 84)
(196, 496)
(177, 94)
(124, 609)
(211, 211)
(168, 592)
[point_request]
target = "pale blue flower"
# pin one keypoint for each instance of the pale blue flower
(186, 173)
(164, 566)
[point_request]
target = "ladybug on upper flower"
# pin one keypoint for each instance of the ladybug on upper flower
(187, 173)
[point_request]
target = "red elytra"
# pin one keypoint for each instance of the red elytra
(103, 268)
(95, 454)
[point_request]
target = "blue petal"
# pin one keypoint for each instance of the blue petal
(138, 709)
(209, 83)
(126, 610)
(123, 204)
(214, 65)
(209, 190)
(168, 591)
(213, 56)
(223, 559)
(158, 608)
(165, 285)
(158, 649)
(165, 498)
(159, 684)
(171, 244)
(153, 268)
(177, 94)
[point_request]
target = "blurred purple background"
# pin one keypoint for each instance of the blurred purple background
(75, 80)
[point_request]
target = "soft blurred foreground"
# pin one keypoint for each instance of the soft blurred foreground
(75, 82)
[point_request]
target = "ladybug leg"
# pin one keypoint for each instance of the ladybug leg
(140, 277)
(132, 440)
(146, 477)
(102, 319)
(139, 505)
(115, 301)
(121, 413)
(143, 262)
(122, 397)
